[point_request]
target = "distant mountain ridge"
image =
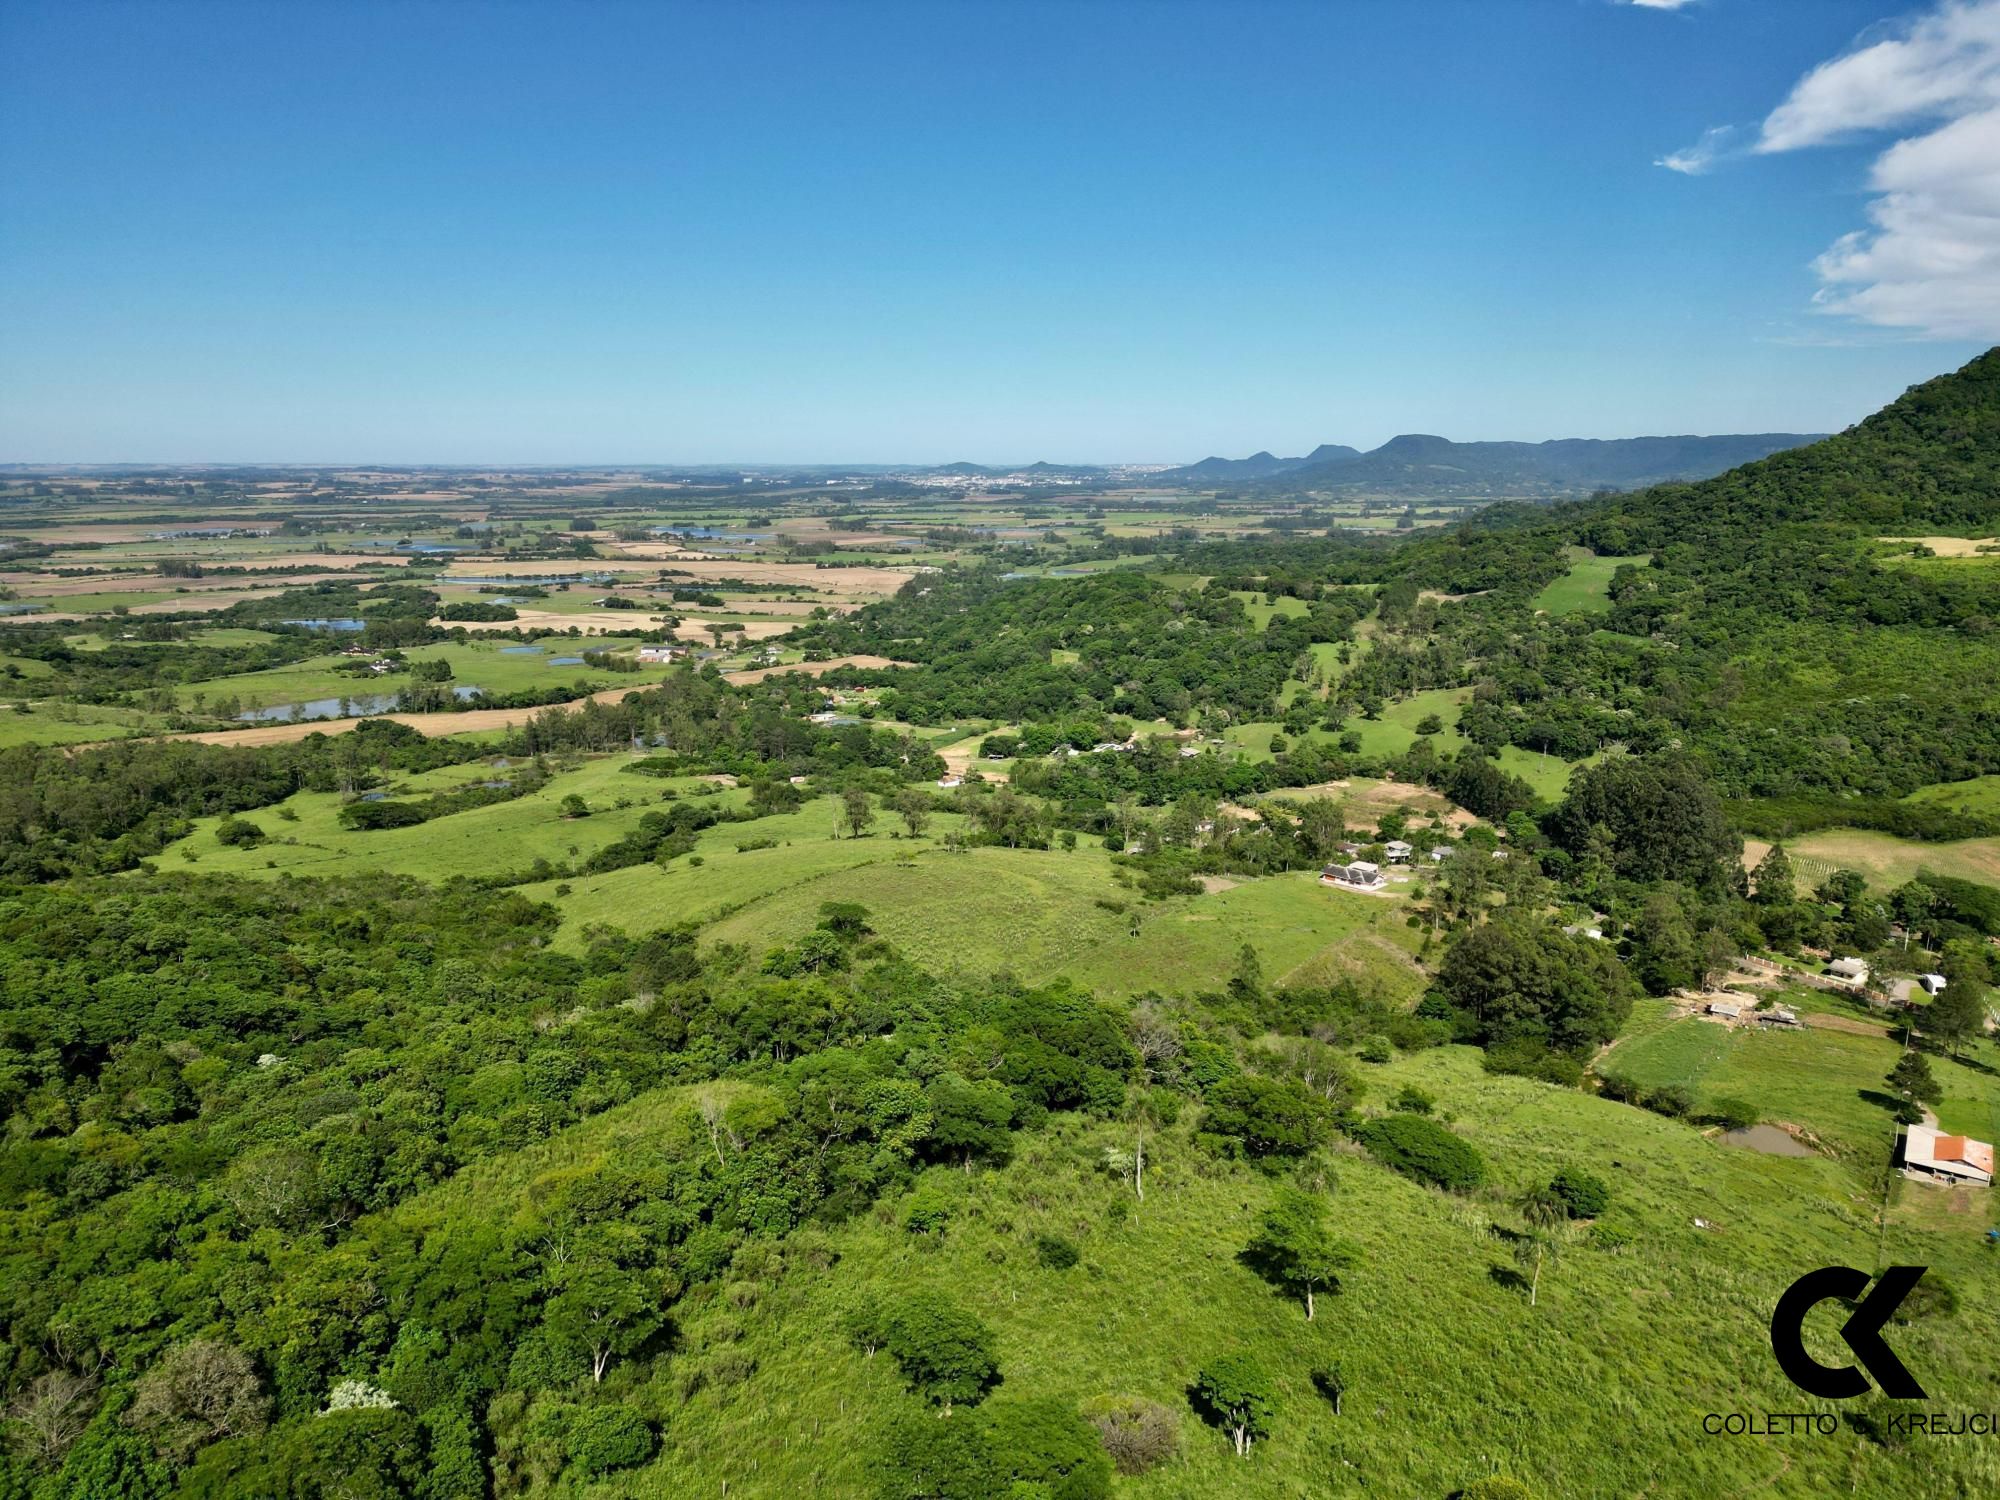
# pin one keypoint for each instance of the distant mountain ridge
(1256, 466)
(1424, 466)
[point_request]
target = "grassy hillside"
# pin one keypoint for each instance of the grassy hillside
(1598, 1389)
(1587, 584)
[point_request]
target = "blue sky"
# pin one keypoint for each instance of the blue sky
(853, 232)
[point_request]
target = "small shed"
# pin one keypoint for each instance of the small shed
(1725, 1010)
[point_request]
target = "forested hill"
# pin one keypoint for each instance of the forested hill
(1930, 459)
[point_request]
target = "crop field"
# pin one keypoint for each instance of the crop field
(1885, 860)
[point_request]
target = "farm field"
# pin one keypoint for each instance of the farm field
(1884, 859)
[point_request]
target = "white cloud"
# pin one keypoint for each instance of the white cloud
(1692, 161)
(1929, 262)
(1660, 4)
(1936, 67)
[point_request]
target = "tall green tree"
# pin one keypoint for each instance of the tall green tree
(1236, 1393)
(1294, 1247)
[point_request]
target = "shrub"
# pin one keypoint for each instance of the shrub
(925, 1459)
(1048, 1445)
(1136, 1433)
(1496, 1487)
(1611, 1237)
(1733, 1114)
(1624, 1090)
(1671, 1100)
(1269, 1117)
(1584, 1196)
(929, 1209)
(1421, 1148)
(603, 1438)
(236, 831)
(1410, 1099)
(1055, 1252)
(1374, 1049)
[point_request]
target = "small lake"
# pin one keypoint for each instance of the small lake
(565, 661)
(710, 534)
(536, 579)
(19, 609)
(328, 624)
(1768, 1139)
(520, 650)
(359, 705)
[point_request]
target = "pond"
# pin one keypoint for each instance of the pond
(328, 624)
(565, 661)
(1768, 1139)
(532, 578)
(520, 650)
(359, 705)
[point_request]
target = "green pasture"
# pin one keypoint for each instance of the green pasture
(1587, 584)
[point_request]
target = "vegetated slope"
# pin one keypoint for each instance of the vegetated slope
(1448, 1372)
(1931, 458)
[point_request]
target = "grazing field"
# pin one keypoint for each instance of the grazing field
(1395, 731)
(1548, 774)
(496, 667)
(1303, 932)
(1028, 912)
(645, 897)
(1264, 608)
(482, 841)
(1979, 797)
(1587, 584)
(1826, 1081)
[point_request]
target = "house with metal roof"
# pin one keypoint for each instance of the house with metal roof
(1360, 875)
(1933, 1156)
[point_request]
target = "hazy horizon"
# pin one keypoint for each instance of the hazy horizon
(540, 235)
